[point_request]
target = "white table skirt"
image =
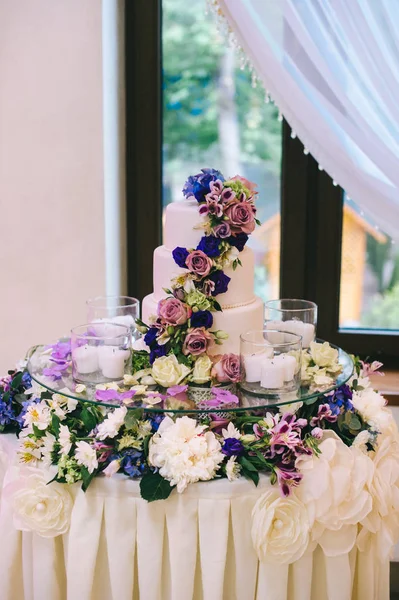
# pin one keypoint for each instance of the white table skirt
(192, 546)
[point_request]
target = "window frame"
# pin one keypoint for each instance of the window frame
(311, 206)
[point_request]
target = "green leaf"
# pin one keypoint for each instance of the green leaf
(355, 423)
(146, 445)
(167, 291)
(258, 222)
(89, 420)
(217, 306)
(86, 477)
(39, 433)
(16, 382)
(154, 487)
(245, 463)
(140, 360)
(55, 424)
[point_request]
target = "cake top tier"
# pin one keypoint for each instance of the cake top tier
(182, 220)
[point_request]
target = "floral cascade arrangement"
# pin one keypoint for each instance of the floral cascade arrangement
(178, 339)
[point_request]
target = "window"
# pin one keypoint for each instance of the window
(183, 85)
(212, 116)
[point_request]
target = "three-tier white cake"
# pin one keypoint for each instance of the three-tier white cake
(242, 310)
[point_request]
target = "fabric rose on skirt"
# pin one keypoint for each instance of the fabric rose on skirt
(38, 506)
(184, 453)
(334, 489)
(381, 525)
(280, 528)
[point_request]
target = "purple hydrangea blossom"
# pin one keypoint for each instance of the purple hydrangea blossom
(110, 394)
(200, 185)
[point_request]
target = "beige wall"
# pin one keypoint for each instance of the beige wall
(51, 169)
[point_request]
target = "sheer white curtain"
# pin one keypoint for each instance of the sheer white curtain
(332, 67)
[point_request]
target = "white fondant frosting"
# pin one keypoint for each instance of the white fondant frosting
(241, 286)
(234, 321)
(181, 225)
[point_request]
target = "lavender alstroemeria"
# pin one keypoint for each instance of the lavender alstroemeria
(220, 398)
(105, 395)
(324, 413)
(176, 389)
(57, 369)
(61, 350)
(287, 477)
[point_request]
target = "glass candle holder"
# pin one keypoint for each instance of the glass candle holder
(121, 310)
(270, 362)
(293, 316)
(100, 354)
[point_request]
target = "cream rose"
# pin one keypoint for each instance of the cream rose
(202, 369)
(280, 528)
(38, 506)
(381, 525)
(323, 354)
(334, 489)
(167, 371)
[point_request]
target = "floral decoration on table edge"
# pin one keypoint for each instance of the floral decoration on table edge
(178, 339)
(345, 441)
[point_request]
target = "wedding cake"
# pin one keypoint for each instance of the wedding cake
(187, 226)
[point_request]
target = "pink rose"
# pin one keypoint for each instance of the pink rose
(241, 216)
(173, 312)
(248, 184)
(197, 341)
(199, 263)
(223, 230)
(227, 368)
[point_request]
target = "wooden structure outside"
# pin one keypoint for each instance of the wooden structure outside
(353, 263)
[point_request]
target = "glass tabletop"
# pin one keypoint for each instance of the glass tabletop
(43, 369)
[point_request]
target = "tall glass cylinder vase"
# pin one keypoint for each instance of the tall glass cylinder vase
(121, 310)
(294, 316)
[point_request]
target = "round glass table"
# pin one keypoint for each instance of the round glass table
(60, 381)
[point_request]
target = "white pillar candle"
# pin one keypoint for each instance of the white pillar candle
(112, 361)
(276, 337)
(289, 365)
(306, 330)
(272, 374)
(253, 364)
(123, 320)
(309, 334)
(85, 359)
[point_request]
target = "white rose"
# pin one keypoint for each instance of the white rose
(334, 489)
(86, 455)
(202, 369)
(184, 453)
(167, 371)
(109, 428)
(381, 525)
(280, 528)
(38, 506)
(371, 405)
(323, 354)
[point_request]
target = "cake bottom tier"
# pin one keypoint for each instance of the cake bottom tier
(234, 321)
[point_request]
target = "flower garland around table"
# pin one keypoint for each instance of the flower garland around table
(335, 459)
(177, 342)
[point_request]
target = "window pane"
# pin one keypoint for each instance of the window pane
(369, 274)
(213, 117)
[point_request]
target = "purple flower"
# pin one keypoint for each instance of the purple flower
(199, 185)
(238, 241)
(202, 318)
(105, 395)
(56, 370)
(223, 230)
(176, 389)
(232, 447)
(340, 400)
(179, 256)
(150, 336)
(61, 350)
(217, 423)
(221, 282)
(324, 413)
(156, 352)
(133, 462)
(287, 477)
(209, 245)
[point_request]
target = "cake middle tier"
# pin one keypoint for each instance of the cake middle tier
(241, 286)
(233, 321)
